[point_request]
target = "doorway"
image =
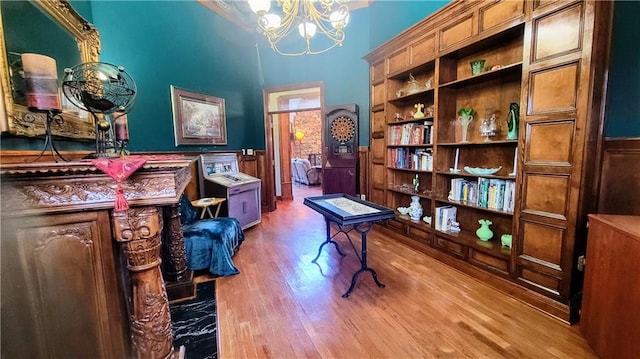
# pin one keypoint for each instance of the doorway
(294, 122)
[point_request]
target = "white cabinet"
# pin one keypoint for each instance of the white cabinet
(219, 177)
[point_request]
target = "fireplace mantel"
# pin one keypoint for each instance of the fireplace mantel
(80, 279)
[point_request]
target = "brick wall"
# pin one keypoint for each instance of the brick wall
(310, 123)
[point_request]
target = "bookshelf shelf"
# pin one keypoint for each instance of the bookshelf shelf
(473, 144)
(463, 173)
(426, 145)
(470, 205)
(397, 189)
(509, 70)
(412, 97)
(406, 220)
(410, 120)
(407, 170)
(468, 238)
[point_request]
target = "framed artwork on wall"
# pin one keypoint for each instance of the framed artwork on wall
(198, 119)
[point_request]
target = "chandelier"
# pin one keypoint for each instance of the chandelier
(308, 17)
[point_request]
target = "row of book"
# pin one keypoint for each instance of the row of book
(491, 193)
(411, 134)
(420, 159)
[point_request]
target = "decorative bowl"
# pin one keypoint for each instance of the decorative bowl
(481, 170)
(403, 210)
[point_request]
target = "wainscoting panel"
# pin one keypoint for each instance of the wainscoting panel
(620, 181)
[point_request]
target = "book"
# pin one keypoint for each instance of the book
(444, 216)
(449, 215)
(206, 201)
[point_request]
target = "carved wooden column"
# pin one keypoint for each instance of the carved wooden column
(173, 253)
(139, 231)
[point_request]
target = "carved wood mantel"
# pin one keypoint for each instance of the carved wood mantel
(110, 274)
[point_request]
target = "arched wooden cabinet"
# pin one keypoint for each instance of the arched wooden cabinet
(340, 165)
(550, 59)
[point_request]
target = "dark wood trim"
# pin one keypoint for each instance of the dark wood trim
(363, 170)
(620, 177)
(27, 156)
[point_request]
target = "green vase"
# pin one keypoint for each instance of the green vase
(484, 232)
(477, 67)
(512, 121)
(506, 240)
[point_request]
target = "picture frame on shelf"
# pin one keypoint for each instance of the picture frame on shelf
(198, 119)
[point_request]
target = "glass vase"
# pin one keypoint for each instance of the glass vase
(484, 232)
(465, 120)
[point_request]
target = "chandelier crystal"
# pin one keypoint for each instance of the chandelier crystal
(308, 17)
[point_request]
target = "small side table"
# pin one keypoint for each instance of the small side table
(206, 204)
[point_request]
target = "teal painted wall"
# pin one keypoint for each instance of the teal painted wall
(622, 118)
(181, 43)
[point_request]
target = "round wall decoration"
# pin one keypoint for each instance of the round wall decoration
(343, 129)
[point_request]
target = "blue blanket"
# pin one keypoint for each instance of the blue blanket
(210, 243)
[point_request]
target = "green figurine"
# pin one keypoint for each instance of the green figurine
(512, 121)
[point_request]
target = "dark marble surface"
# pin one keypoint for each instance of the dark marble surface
(194, 324)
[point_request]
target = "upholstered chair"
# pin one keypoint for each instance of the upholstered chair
(210, 242)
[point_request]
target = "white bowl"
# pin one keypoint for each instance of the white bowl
(403, 210)
(481, 170)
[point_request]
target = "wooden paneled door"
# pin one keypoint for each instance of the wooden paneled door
(286, 185)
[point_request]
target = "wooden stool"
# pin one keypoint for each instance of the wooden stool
(206, 204)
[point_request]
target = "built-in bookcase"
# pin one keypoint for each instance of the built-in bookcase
(538, 55)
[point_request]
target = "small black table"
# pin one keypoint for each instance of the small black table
(349, 213)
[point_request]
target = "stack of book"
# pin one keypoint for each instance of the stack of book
(445, 218)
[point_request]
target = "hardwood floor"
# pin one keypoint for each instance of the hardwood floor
(283, 306)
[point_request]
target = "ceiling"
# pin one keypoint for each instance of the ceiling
(238, 11)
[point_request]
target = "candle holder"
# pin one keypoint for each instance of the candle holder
(42, 96)
(455, 168)
(50, 117)
(121, 124)
(121, 147)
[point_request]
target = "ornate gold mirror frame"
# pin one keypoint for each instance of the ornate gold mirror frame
(17, 119)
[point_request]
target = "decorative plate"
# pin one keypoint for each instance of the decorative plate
(481, 170)
(343, 129)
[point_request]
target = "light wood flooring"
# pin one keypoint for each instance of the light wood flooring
(283, 306)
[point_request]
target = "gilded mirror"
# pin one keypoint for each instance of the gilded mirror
(73, 39)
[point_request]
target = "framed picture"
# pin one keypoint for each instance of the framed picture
(198, 119)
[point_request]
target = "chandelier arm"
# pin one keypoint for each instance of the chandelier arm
(317, 12)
